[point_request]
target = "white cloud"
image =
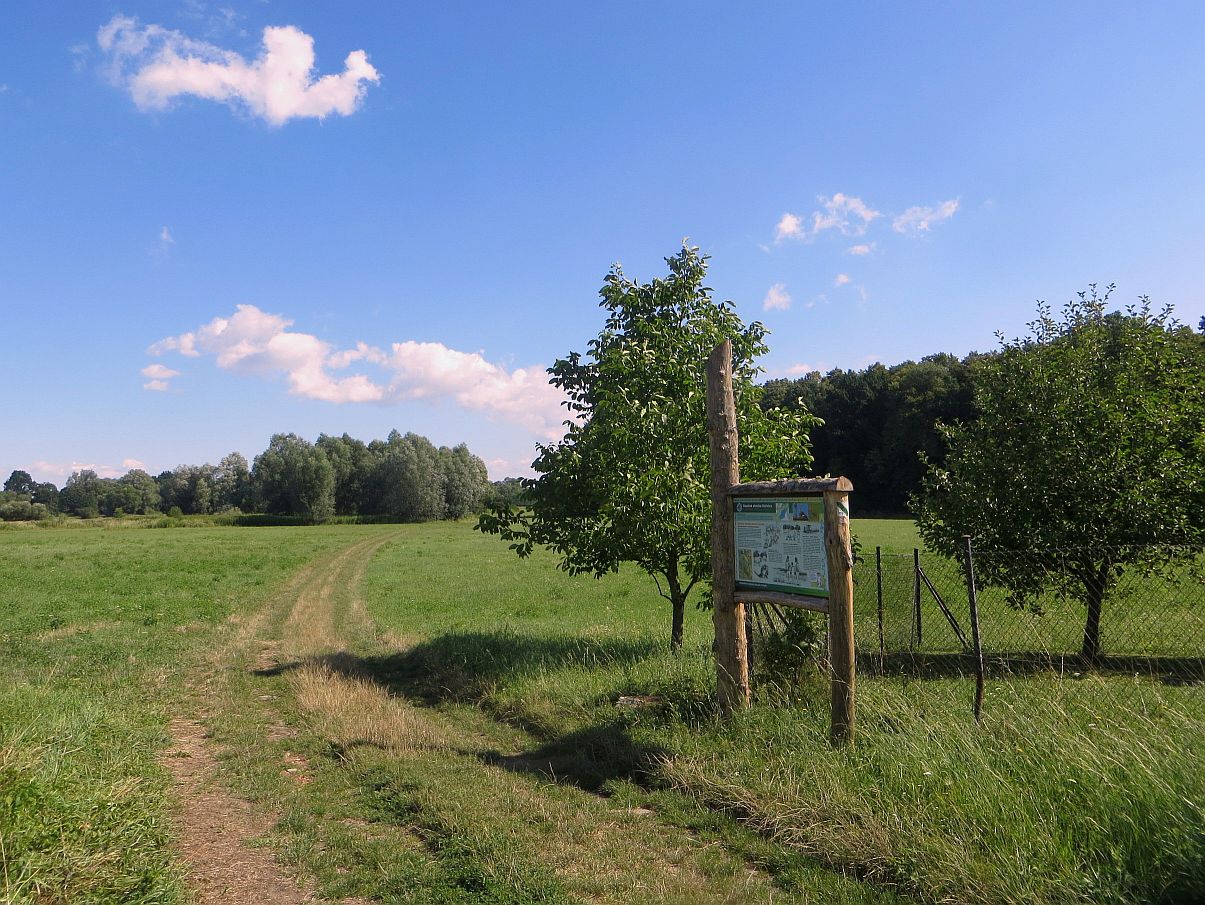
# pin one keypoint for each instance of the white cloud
(130, 464)
(252, 341)
(159, 372)
(60, 471)
(789, 227)
(157, 64)
(861, 250)
(777, 298)
(847, 214)
(917, 220)
(159, 376)
(799, 370)
(841, 280)
(165, 237)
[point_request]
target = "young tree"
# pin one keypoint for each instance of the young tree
(1084, 458)
(629, 482)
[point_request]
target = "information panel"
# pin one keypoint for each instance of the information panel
(780, 544)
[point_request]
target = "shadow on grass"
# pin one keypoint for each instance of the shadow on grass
(468, 666)
(922, 665)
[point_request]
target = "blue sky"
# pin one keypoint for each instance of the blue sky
(203, 241)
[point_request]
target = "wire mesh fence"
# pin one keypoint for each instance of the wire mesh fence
(1127, 633)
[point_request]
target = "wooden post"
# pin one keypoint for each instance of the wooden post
(973, 601)
(728, 615)
(840, 613)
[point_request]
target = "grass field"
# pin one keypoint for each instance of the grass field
(429, 719)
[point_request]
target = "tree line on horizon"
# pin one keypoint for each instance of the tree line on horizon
(881, 425)
(404, 477)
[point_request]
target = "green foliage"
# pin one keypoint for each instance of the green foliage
(20, 482)
(630, 480)
(1088, 439)
(293, 477)
(879, 422)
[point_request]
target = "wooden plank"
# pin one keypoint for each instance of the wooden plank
(840, 614)
(815, 604)
(727, 614)
(793, 486)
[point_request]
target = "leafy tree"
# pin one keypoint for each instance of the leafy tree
(878, 422)
(20, 482)
(81, 494)
(630, 480)
(231, 482)
(293, 477)
(352, 463)
(1084, 458)
(47, 495)
(466, 481)
(406, 481)
(142, 494)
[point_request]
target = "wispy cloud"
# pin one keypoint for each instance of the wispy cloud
(157, 64)
(42, 470)
(841, 280)
(165, 238)
(159, 377)
(254, 342)
(861, 250)
(847, 214)
(777, 299)
(917, 220)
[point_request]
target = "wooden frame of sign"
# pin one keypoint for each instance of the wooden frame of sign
(782, 542)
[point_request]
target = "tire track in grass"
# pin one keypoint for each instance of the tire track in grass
(216, 830)
(493, 833)
(381, 798)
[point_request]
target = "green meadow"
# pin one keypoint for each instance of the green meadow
(466, 726)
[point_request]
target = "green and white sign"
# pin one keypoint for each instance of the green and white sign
(780, 544)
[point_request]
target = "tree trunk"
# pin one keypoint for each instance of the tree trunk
(1095, 586)
(677, 600)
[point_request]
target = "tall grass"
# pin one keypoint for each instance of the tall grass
(1048, 801)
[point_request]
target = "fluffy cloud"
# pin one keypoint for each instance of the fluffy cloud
(917, 220)
(789, 227)
(157, 64)
(847, 214)
(251, 341)
(777, 298)
(841, 280)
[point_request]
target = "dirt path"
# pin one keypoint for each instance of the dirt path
(218, 832)
(472, 803)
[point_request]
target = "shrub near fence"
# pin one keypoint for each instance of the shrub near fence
(913, 619)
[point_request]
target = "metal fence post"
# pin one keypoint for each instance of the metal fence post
(972, 599)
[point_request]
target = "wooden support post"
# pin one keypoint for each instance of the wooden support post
(973, 601)
(840, 613)
(728, 614)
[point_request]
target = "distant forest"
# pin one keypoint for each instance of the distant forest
(878, 423)
(403, 477)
